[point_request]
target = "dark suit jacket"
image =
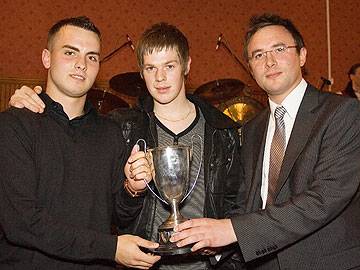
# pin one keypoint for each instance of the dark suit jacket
(315, 220)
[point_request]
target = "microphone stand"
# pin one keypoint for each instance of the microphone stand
(107, 57)
(228, 49)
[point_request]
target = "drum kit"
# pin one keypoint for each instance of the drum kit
(232, 96)
(122, 88)
(130, 84)
(105, 100)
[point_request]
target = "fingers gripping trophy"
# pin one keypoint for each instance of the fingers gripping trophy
(170, 167)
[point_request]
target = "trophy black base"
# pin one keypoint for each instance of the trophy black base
(171, 249)
(165, 246)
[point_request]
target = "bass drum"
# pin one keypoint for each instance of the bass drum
(105, 100)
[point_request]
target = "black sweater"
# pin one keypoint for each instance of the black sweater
(59, 179)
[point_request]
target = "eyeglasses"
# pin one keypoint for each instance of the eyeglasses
(260, 56)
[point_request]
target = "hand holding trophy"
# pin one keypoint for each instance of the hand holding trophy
(170, 167)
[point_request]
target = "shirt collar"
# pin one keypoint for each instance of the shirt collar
(53, 106)
(292, 102)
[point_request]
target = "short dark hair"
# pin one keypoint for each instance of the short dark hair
(353, 69)
(82, 22)
(267, 19)
(162, 36)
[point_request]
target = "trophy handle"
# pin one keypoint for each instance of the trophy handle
(147, 184)
(201, 159)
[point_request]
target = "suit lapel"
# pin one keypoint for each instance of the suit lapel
(300, 133)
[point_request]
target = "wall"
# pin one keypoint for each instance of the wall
(24, 24)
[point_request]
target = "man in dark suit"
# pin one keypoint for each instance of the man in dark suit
(301, 160)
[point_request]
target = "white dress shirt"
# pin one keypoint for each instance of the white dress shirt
(291, 104)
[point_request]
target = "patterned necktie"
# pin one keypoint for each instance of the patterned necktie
(277, 151)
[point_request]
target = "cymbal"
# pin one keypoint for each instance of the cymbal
(130, 84)
(104, 101)
(241, 109)
(220, 90)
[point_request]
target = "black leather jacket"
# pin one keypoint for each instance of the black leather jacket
(221, 163)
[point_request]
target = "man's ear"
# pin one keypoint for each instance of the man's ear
(303, 53)
(46, 58)
(187, 68)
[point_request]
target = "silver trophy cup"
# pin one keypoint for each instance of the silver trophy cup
(170, 168)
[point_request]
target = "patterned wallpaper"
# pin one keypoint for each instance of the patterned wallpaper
(24, 24)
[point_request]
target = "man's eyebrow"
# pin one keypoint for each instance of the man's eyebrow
(71, 47)
(171, 61)
(273, 46)
(166, 63)
(96, 53)
(77, 50)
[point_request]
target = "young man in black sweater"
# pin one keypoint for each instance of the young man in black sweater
(61, 171)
